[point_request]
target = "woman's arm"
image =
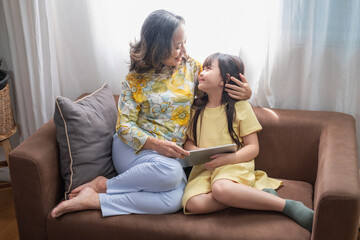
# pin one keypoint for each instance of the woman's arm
(244, 154)
(128, 111)
(240, 92)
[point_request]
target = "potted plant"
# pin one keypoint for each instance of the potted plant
(7, 124)
(4, 76)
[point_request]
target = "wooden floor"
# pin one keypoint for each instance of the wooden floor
(8, 225)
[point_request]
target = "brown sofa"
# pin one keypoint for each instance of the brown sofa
(313, 152)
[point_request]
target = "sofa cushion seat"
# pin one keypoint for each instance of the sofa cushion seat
(250, 224)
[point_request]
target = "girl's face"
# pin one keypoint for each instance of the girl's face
(178, 50)
(210, 79)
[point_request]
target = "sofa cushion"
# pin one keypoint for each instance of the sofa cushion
(230, 224)
(84, 134)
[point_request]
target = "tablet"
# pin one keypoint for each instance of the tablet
(201, 156)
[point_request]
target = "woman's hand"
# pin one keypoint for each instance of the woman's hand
(219, 160)
(165, 148)
(241, 91)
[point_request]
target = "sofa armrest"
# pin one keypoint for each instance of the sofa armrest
(36, 181)
(336, 197)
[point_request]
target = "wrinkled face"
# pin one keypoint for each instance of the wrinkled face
(210, 78)
(178, 50)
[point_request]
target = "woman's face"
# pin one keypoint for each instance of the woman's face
(178, 49)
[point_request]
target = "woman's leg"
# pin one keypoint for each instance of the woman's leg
(142, 202)
(158, 174)
(147, 183)
(87, 198)
(98, 185)
(123, 203)
(145, 171)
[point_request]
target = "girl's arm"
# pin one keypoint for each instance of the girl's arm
(246, 153)
(190, 145)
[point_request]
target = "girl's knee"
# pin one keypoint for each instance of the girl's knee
(193, 205)
(196, 205)
(220, 189)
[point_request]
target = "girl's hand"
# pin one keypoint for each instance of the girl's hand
(165, 148)
(244, 154)
(240, 92)
(220, 159)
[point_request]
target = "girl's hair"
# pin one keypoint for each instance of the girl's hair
(229, 66)
(156, 41)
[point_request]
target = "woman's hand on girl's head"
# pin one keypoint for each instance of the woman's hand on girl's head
(241, 91)
(219, 160)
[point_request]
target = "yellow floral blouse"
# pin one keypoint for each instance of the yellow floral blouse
(157, 104)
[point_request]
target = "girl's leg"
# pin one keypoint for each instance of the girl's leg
(204, 203)
(142, 202)
(242, 196)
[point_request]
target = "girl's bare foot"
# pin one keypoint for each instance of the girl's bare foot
(86, 199)
(98, 184)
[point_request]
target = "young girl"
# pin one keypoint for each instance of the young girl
(229, 180)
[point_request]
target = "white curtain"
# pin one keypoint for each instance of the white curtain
(314, 64)
(313, 60)
(298, 54)
(33, 57)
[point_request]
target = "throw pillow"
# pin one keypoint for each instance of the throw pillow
(84, 134)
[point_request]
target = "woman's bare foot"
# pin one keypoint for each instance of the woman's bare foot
(98, 184)
(86, 199)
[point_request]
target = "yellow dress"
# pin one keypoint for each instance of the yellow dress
(213, 132)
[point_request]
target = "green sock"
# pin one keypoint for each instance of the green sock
(271, 191)
(299, 213)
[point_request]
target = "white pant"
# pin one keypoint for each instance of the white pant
(148, 183)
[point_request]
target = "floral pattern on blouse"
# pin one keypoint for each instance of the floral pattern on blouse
(157, 104)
